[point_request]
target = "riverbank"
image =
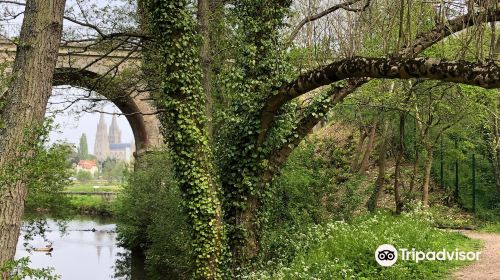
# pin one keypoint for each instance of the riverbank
(91, 205)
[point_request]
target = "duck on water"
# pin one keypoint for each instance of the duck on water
(47, 248)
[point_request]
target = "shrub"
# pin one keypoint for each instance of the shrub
(84, 176)
(340, 250)
(151, 219)
(19, 269)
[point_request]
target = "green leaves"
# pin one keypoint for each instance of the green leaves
(182, 97)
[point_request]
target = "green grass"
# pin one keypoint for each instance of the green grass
(491, 227)
(86, 204)
(90, 188)
(340, 250)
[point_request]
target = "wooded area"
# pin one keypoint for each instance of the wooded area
(398, 97)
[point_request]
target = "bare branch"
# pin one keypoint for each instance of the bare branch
(345, 6)
(422, 41)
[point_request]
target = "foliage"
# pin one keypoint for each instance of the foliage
(345, 250)
(182, 98)
(84, 176)
(491, 227)
(314, 186)
(19, 270)
(90, 205)
(83, 148)
(151, 219)
(49, 172)
(113, 170)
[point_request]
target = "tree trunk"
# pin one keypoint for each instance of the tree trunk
(379, 184)
(427, 176)
(247, 218)
(24, 110)
(414, 173)
(495, 146)
(363, 166)
(183, 99)
(397, 170)
(204, 13)
(359, 150)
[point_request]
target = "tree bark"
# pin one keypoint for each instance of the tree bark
(363, 166)
(379, 183)
(397, 170)
(26, 101)
(494, 145)
(359, 150)
(427, 176)
(204, 13)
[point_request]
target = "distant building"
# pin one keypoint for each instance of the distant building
(88, 166)
(109, 145)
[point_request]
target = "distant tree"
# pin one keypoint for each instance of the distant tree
(83, 148)
(113, 170)
(84, 176)
(48, 177)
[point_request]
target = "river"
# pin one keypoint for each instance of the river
(86, 249)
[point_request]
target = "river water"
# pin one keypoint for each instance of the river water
(86, 249)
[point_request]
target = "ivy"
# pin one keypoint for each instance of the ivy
(259, 63)
(182, 98)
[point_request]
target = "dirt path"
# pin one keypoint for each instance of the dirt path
(488, 266)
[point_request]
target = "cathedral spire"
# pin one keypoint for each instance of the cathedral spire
(101, 146)
(115, 134)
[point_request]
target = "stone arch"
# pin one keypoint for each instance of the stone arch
(135, 106)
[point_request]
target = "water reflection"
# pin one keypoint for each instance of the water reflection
(85, 250)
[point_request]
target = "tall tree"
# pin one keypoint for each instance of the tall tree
(83, 147)
(267, 109)
(24, 109)
(183, 99)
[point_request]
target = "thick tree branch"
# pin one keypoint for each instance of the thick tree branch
(486, 75)
(422, 41)
(442, 30)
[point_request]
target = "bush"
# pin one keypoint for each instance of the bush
(340, 250)
(19, 269)
(151, 219)
(314, 186)
(48, 174)
(84, 176)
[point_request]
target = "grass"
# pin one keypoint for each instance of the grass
(491, 227)
(95, 205)
(340, 250)
(90, 188)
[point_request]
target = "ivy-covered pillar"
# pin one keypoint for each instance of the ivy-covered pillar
(183, 100)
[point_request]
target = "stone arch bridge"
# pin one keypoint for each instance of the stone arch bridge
(109, 72)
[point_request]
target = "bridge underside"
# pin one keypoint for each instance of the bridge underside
(111, 74)
(136, 106)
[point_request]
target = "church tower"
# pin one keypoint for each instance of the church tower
(115, 134)
(101, 146)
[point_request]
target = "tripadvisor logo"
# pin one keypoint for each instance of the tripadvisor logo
(387, 255)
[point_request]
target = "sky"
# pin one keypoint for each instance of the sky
(71, 123)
